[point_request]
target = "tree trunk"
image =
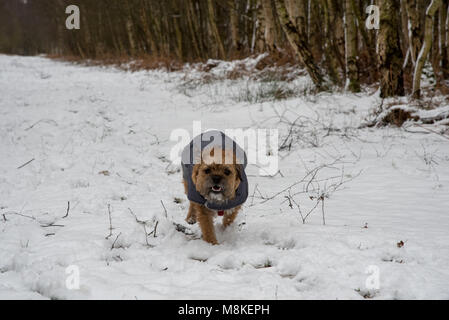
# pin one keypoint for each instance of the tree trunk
(296, 40)
(164, 27)
(178, 35)
(234, 25)
(259, 28)
(338, 33)
(435, 48)
(130, 31)
(404, 30)
(353, 83)
(330, 57)
(315, 43)
(214, 29)
(390, 53)
(194, 26)
(270, 26)
(193, 34)
(424, 52)
(414, 28)
(296, 10)
(149, 39)
(444, 39)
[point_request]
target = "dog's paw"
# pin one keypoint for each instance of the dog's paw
(191, 220)
(212, 242)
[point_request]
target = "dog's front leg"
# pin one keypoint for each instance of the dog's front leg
(229, 217)
(191, 216)
(205, 219)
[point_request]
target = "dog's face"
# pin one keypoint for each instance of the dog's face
(215, 180)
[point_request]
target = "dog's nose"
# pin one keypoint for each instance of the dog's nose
(216, 179)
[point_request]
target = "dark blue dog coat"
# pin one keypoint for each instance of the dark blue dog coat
(193, 151)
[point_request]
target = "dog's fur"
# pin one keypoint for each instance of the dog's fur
(207, 176)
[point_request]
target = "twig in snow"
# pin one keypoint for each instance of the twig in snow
(32, 126)
(290, 132)
(18, 214)
(113, 244)
(42, 120)
(433, 131)
(52, 224)
(110, 222)
(188, 232)
(25, 164)
(154, 230)
(135, 217)
(252, 197)
(144, 225)
(316, 190)
(68, 209)
(291, 200)
(165, 210)
(26, 245)
(146, 236)
(261, 196)
(310, 173)
(267, 173)
(322, 211)
(183, 229)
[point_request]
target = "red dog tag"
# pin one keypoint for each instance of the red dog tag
(220, 212)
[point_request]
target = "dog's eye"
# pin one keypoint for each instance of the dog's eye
(207, 171)
(227, 172)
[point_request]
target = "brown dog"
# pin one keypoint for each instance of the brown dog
(216, 181)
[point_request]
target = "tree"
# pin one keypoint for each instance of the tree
(353, 83)
(414, 28)
(390, 53)
(337, 32)
(297, 12)
(270, 26)
(424, 52)
(234, 25)
(444, 34)
(330, 57)
(260, 42)
(328, 36)
(214, 29)
(296, 40)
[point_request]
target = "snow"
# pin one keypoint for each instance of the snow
(101, 136)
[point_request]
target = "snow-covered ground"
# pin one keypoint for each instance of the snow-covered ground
(99, 138)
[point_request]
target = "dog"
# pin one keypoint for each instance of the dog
(215, 183)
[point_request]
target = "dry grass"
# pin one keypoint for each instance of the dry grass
(397, 117)
(273, 69)
(127, 63)
(276, 66)
(397, 111)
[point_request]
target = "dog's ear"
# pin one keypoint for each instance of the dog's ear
(196, 169)
(238, 176)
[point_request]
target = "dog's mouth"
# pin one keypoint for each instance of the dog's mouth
(216, 189)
